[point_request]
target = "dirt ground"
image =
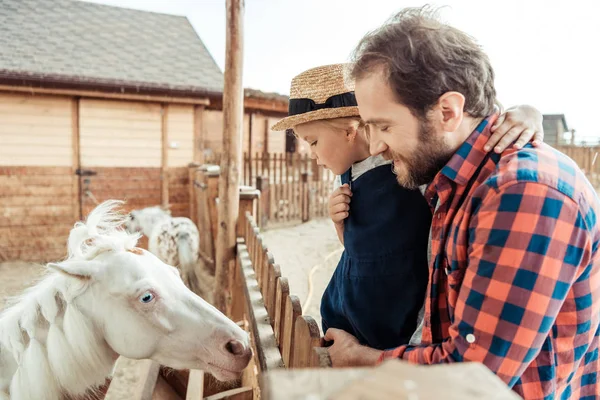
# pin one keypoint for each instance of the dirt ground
(298, 250)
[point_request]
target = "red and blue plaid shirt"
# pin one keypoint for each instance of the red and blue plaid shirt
(515, 270)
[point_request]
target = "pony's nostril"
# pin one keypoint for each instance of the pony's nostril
(235, 347)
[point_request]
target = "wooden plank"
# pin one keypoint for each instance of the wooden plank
(199, 142)
(26, 201)
(143, 389)
(76, 197)
(105, 95)
(400, 380)
(261, 249)
(38, 211)
(164, 183)
(293, 310)
(33, 170)
(195, 388)
(243, 393)
(268, 262)
(27, 254)
(302, 384)
(283, 292)
(41, 191)
(306, 337)
(65, 179)
(23, 222)
(266, 351)
(14, 241)
(271, 295)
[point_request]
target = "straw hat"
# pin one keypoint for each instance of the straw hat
(320, 93)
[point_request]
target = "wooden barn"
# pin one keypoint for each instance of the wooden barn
(100, 102)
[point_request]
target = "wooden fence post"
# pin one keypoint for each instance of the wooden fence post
(262, 184)
(305, 193)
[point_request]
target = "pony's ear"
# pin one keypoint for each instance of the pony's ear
(79, 269)
(166, 208)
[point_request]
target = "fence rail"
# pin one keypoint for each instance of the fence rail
(293, 187)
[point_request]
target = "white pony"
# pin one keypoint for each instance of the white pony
(109, 298)
(175, 241)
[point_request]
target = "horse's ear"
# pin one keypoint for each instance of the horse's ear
(79, 269)
(166, 208)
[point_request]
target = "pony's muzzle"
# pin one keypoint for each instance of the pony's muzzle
(241, 351)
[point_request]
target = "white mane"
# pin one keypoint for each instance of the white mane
(54, 347)
(102, 231)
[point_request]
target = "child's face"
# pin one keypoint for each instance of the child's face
(332, 148)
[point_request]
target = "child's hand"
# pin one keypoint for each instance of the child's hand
(339, 204)
(522, 122)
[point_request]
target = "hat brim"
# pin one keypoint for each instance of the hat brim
(325, 113)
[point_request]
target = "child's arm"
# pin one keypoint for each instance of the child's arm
(520, 122)
(339, 206)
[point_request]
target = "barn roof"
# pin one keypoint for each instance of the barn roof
(66, 43)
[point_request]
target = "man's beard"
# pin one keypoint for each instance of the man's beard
(420, 167)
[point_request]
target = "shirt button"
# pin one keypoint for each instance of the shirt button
(470, 338)
(439, 216)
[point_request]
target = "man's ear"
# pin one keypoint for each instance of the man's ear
(79, 269)
(448, 111)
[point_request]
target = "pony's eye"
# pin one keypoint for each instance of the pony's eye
(146, 298)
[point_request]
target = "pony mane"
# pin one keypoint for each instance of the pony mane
(58, 350)
(102, 231)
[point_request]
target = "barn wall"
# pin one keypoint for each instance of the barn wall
(35, 130)
(117, 133)
(180, 135)
(37, 210)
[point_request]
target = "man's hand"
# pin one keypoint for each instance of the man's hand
(347, 352)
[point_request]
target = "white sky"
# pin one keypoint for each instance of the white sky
(545, 53)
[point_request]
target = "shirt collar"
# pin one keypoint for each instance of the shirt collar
(469, 155)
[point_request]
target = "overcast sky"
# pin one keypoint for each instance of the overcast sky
(545, 53)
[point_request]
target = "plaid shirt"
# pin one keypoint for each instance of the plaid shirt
(515, 270)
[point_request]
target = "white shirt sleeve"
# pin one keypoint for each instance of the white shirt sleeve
(337, 182)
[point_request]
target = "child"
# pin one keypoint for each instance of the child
(378, 287)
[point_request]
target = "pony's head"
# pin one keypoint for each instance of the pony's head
(141, 304)
(145, 219)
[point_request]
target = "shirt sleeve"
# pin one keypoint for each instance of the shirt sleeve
(337, 182)
(527, 243)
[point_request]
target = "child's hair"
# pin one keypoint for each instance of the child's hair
(342, 124)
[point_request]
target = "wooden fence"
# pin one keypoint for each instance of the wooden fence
(293, 187)
(281, 337)
(587, 159)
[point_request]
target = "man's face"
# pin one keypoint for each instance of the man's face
(419, 152)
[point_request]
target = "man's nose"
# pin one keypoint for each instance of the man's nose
(377, 146)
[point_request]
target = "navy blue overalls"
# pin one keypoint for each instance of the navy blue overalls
(379, 285)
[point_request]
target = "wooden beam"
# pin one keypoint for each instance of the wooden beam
(266, 105)
(164, 175)
(233, 117)
(195, 388)
(243, 393)
(101, 95)
(199, 134)
(266, 138)
(148, 372)
(76, 159)
(250, 123)
(265, 348)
